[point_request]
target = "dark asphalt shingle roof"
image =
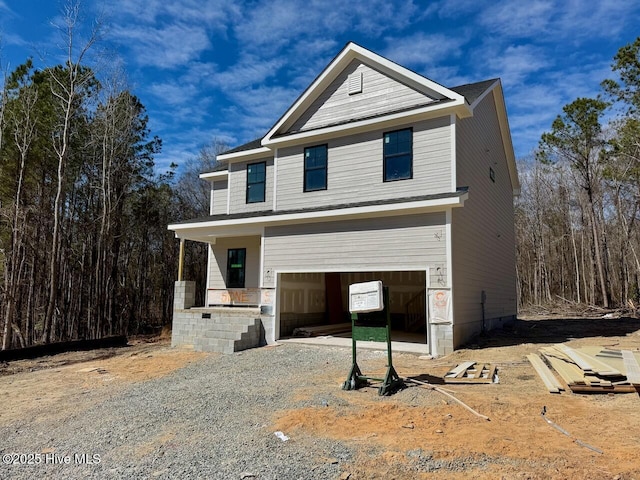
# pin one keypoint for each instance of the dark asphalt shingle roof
(271, 213)
(246, 146)
(471, 91)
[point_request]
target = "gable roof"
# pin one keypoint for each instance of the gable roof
(461, 100)
(441, 96)
(472, 91)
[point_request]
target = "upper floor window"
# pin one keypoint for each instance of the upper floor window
(256, 181)
(315, 168)
(398, 155)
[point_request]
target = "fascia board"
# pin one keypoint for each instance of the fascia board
(245, 155)
(309, 95)
(405, 75)
(215, 175)
(186, 230)
(460, 108)
(349, 53)
(505, 133)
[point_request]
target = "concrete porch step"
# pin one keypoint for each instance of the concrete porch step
(219, 332)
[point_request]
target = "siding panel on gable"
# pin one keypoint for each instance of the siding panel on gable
(238, 185)
(380, 94)
(410, 242)
(355, 168)
(483, 248)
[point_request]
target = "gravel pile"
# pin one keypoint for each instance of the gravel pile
(210, 420)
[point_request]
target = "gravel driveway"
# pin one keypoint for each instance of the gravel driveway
(208, 420)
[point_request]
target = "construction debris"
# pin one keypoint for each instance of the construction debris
(445, 392)
(281, 436)
(543, 413)
(588, 369)
(547, 376)
(322, 330)
(471, 372)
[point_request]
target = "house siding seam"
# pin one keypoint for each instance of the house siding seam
(219, 197)
(380, 94)
(217, 271)
(411, 242)
(238, 188)
(355, 168)
(483, 235)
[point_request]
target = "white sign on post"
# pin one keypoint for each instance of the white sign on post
(366, 297)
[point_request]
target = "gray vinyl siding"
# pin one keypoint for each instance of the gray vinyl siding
(483, 248)
(355, 168)
(380, 94)
(219, 197)
(409, 242)
(238, 185)
(218, 261)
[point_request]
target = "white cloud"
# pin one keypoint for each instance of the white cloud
(517, 18)
(174, 93)
(271, 25)
(249, 70)
(516, 63)
(257, 109)
(216, 14)
(447, 9)
(602, 19)
(547, 21)
(421, 50)
(168, 47)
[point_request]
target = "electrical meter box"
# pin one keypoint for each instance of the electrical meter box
(366, 297)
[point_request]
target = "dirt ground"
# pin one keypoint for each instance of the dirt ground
(516, 442)
(64, 376)
(394, 434)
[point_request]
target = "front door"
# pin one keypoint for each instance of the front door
(236, 259)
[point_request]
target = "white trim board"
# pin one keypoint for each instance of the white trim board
(185, 230)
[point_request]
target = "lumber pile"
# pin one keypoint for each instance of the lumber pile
(588, 369)
(322, 330)
(471, 372)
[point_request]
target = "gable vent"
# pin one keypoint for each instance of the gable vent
(355, 83)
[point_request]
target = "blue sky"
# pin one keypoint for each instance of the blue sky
(227, 70)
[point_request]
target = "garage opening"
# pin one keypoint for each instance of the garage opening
(315, 305)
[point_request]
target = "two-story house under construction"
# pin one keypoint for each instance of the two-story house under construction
(374, 173)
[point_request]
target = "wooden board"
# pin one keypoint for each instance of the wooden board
(604, 389)
(584, 360)
(569, 372)
(459, 369)
(545, 374)
(470, 372)
(321, 330)
(631, 367)
(573, 355)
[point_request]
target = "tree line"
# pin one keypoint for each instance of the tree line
(577, 217)
(84, 246)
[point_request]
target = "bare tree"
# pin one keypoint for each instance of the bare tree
(66, 85)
